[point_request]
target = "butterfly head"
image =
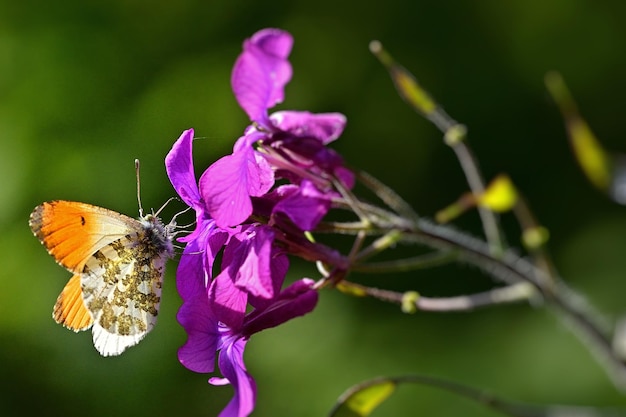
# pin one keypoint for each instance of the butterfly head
(158, 234)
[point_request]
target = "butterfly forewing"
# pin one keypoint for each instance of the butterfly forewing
(72, 231)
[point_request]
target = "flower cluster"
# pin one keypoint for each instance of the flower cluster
(252, 207)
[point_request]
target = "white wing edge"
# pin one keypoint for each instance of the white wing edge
(109, 344)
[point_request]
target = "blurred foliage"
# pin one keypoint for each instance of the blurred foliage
(86, 87)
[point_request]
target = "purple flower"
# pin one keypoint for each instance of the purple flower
(304, 205)
(249, 269)
(262, 71)
(253, 224)
(213, 312)
(290, 144)
(228, 184)
(202, 246)
(207, 334)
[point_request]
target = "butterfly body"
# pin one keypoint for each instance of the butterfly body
(118, 264)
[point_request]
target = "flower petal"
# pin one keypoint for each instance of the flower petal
(226, 186)
(312, 155)
(279, 266)
(191, 274)
(254, 274)
(296, 300)
(305, 207)
(233, 368)
(227, 300)
(195, 268)
(261, 72)
(198, 353)
(325, 127)
(179, 167)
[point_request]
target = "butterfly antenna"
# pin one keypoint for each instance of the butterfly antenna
(169, 200)
(138, 188)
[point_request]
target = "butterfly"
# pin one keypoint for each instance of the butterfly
(118, 264)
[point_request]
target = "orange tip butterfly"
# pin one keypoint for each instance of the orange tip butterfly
(118, 264)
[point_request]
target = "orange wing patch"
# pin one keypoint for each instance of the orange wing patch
(72, 231)
(70, 310)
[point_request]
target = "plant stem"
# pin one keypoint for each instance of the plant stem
(477, 186)
(504, 295)
(510, 268)
(427, 260)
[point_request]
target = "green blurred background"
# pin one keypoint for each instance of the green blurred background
(86, 87)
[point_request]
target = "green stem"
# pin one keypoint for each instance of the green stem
(387, 195)
(514, 293)
(476, 183)
(454, 136)
(509, 268)
(428, 260)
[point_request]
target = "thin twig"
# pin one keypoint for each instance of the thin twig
(387, 195)
(504, 295)
(510, 268)
(454, 136)
(477, 186)
(428, 260)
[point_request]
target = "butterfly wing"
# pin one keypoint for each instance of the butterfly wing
(72, 232)
(70, 310)
(121, 285)
(118, 264)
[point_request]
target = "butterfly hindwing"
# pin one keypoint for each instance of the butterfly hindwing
(70, 310)
(121, 286)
